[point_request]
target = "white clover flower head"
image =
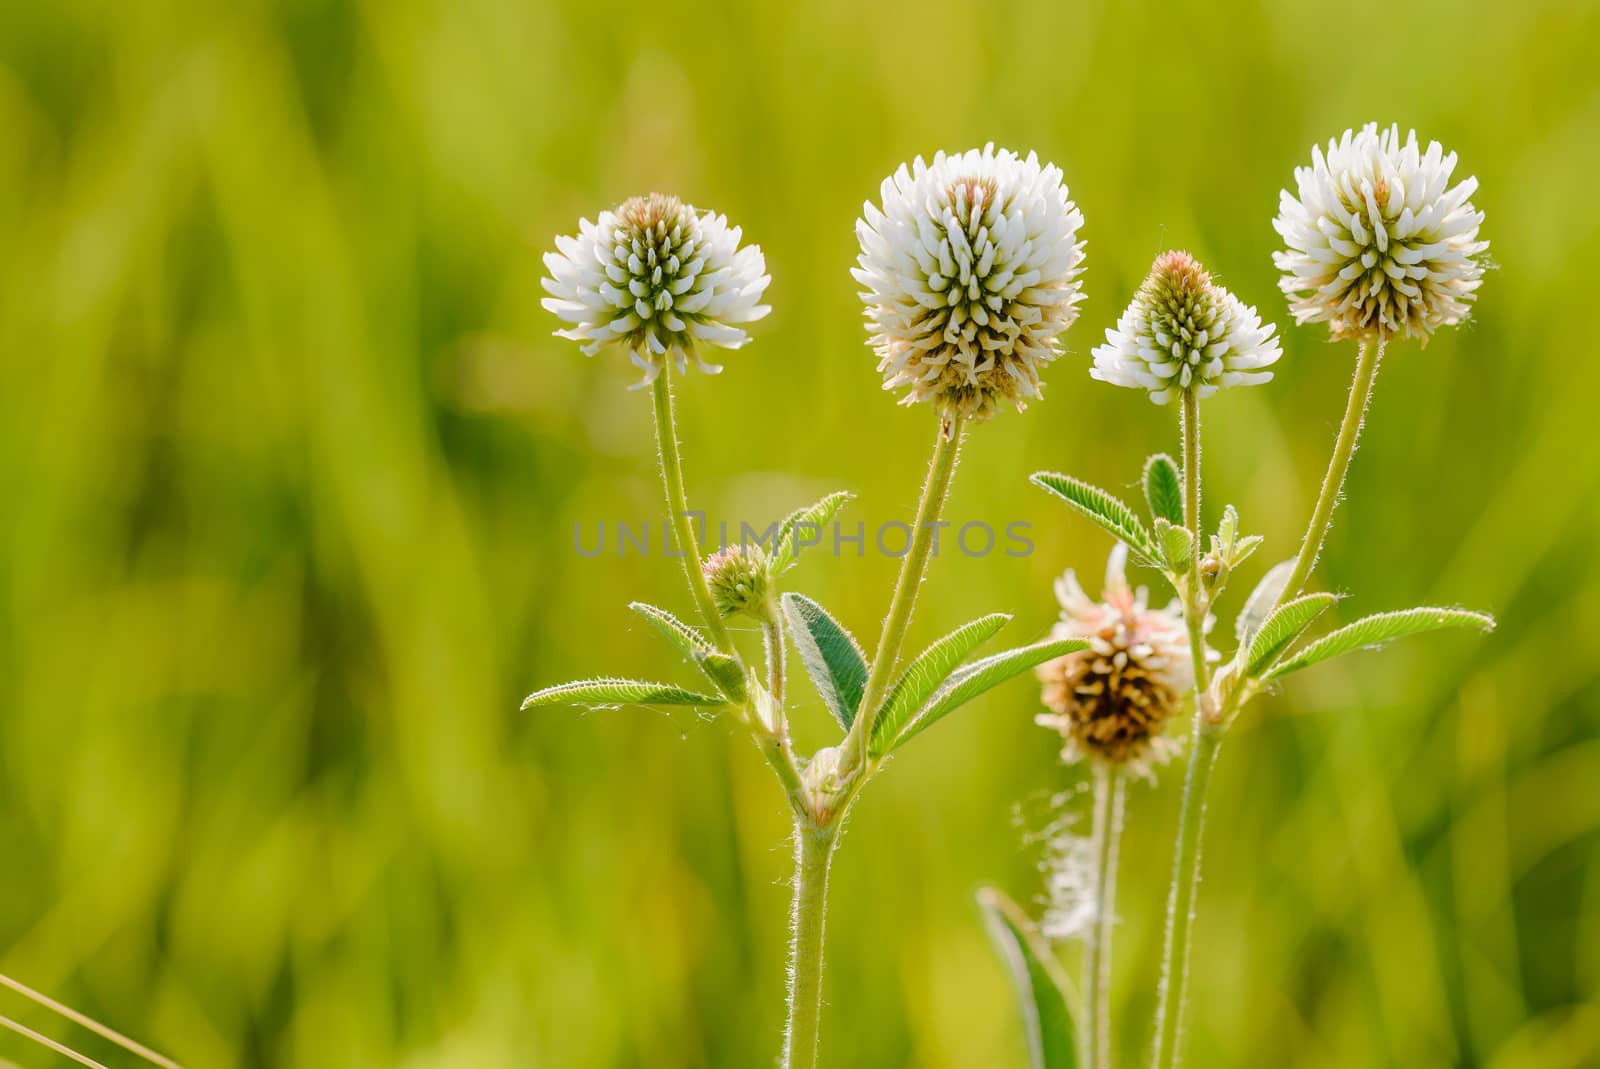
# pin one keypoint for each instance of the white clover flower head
(1183, 332)
(970, 271)
(659, 277)
(1113, 701)
(1380, 245)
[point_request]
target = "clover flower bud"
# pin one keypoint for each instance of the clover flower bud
(1185, 333)
(740, 578)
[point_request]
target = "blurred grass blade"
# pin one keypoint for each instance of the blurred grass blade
(689, 640)
(785, 552)
(611, 692)
(833, 660)
(1163, 489)
(82, 1021)
(1104, 509)
(1045, 995)
(1372, 631)
(927, 671)
(1259, 605)
(1281, 629)
(981, 676)
(45, 1041)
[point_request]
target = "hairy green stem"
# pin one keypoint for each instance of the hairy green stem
(947, 445)
(1194, 606)
(1366, 376)
(773, 638)
(1202, 755)
(678, 509)
(1110, 790)
(813, 854)
(1181, 897)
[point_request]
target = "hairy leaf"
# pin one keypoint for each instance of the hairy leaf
(1262, 600)
(926, 672)
(1280, 630)
(1163, 489)
(978, 677)
(785, 551)
(1103, 509)
(1045, 994)
(1177, 546)
(1373, 631)
(830, 655)
(1243, 548)
(689, 640)
(608, 691)
(725, 671)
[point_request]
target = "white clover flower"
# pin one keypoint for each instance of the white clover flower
(1184, 332)
(970, 271)
(661, 278)
(1380, 244)
(1113, 701)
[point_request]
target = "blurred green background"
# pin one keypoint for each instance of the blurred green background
(290, 466)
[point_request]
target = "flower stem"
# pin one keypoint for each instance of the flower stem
(1109, 795)
(946, 447)
(678, 509)
(1202, 756)
(1344, 448)
(1181, 897)
(1194, 607)
(813, 853)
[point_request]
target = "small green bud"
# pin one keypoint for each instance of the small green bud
(740, 578)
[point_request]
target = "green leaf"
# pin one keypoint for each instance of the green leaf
(1282, 628)
(1373, 631)
(1177, 546)
(830, 655)
(607, 691)
(1104, 510)
(784, 550)
(1163, 489)
(923, 675)
(980, 676)
(726, 671)
(1262, 600)
(1044, 992)
(689, 640)
(1243, 548)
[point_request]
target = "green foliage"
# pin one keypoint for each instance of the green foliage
(690, 641)
(1282, 628)
(1163, 489)
(1262, 600)
(1372, 631)
(785, 550)
(727, 672)
(1105, 510)
(926, 671)
(831, 656)
(1044, 994)
(606, 691)
(976, 678)
(1177, 545)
